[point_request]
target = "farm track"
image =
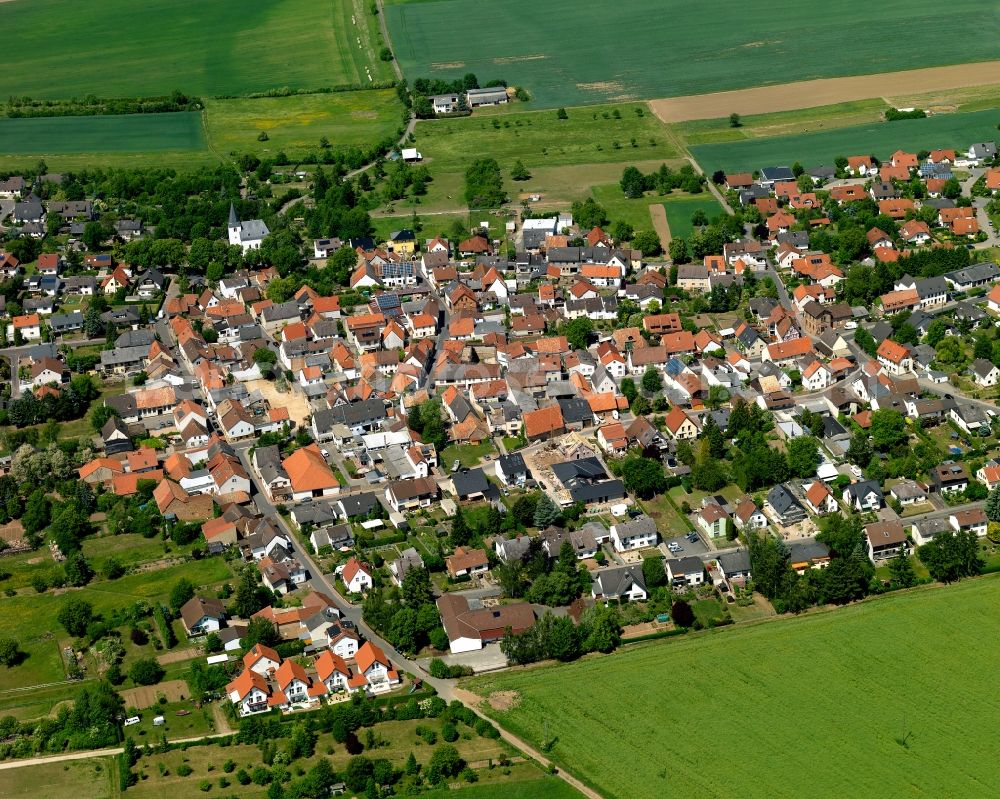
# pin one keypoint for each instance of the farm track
(659, 216)
(825, 91)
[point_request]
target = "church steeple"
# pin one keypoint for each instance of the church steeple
(233, 219)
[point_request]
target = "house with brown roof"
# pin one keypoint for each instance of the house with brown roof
(309, 474)
(201, 615)
(467, 563)
(174, 501)
(471, 628)
(885, 540)
(544, 423)
(410, 494)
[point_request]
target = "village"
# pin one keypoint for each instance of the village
(506, 434)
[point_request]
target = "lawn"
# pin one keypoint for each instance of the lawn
(905, 730)
(532, 787)
(621, 209)
(669, 522)
(878, 138)
(469, 455)
(94, 779)
(680, 210)
(674, 48)
(296, 124)
(228, 47)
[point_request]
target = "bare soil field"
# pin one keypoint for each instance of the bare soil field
(827, 91)
(659, 216)
(146, 696)
(295, 401)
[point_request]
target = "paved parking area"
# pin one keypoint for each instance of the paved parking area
(489, 658)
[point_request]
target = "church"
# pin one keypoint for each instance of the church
(248, 234)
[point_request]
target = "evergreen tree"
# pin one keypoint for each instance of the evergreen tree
(901, 571)
(993, 505)
(546, 512)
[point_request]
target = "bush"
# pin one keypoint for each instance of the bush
(229, 766)
(243, 777)
(184, 770)
(448, 732)
(205, 785)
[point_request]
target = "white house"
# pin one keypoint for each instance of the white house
(689, 571)
(356, 576)
(638, 533)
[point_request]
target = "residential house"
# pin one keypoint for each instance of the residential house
(885, 539)
(637, 533)
(469, 627)
(621, 583)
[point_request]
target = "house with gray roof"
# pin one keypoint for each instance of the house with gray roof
(621, 583)
(784, 507)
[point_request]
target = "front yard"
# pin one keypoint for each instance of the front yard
(468, 455)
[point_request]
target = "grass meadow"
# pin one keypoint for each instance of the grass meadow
(94, 779)
(889, 697)
(296, 124)
(877, 138)
(117, 48)
(571, 53)
(680, 210)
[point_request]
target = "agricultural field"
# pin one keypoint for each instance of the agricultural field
(673, 48)
(207, 49)
(870, 685)
(296, 124)
(681, 209)
(129, 140)
(878, 138)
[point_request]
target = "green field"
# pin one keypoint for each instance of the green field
(543, 788)
(116, 48)
(133, 133)
(569, 53)
(680, 210)
(296, 124)
(880, 139)
(890, 697)
(782, 123)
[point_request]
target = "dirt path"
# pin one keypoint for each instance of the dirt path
(826, 91)
(472, 701)
(659, 216)
(221, 721)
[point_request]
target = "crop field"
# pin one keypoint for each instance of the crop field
(890, 697)
(116, 48)
(674, 48)
(131, 133)
(296, 124)
(680, 210)
(879, 139)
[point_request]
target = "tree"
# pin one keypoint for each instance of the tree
(682, 614)
(75, 615)
(251, 596)
(622, 231)
(888, 429)
(950, 557)
(100, 415)
(10, 652)
(653, 572)
(561, 114)
(648, 243)
(577, 332)
(734, 121)
(261, 631)
(484, 184)
(803, 456)
(589, 214)
(461, 533)
(632, 183)
(37, 512)
(901, 571)
(519, 171)
(146, 671)
(78, 570)
(936, 332)
(93, 235)
(265, 357)
(182, 591)
(643, 477)
(992, 507)
(628, 389)
(416, 589)
(652, 380)
(546, 512)
(444, 762)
